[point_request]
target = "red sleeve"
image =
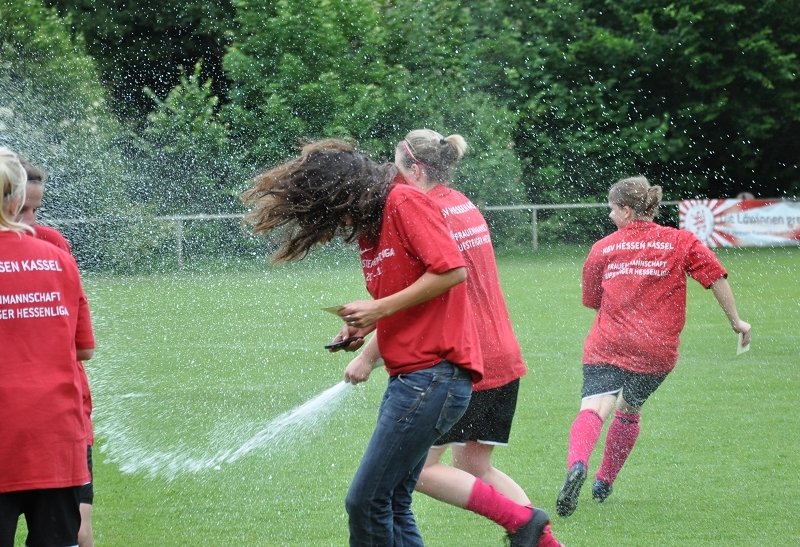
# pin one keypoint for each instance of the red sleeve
(701, 264)
(84, 336)
(592, 280)
(426, 234)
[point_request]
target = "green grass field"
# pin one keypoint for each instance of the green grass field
(194, 363)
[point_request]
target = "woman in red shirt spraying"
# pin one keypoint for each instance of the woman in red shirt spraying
(636, 280)
(420, 312)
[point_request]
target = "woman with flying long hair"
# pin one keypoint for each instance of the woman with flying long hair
(420, 312)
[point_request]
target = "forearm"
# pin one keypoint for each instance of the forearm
(423, 289)
(724, 295)
(370, 353)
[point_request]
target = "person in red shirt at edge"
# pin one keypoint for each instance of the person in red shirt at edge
(34, 193)
(420, 312)
(45, 329)
(425, 159)
(636, 280)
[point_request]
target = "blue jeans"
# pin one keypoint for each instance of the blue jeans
(417, 408)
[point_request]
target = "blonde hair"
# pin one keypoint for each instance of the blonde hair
(636, 193)
(435, 154)
(13, 180)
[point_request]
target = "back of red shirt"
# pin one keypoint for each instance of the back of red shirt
(414, 240)
(54, 237)
(44, 317)
(636, 279)
(502, 357)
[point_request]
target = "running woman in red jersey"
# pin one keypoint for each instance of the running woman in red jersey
(420, 312)
(44, 330)
(636, 280)
(425, 159)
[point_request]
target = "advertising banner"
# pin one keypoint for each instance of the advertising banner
(741, 223)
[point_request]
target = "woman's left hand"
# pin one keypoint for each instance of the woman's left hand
(743, 328)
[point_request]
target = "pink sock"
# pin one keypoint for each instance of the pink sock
(490, 503)
(621, 437)
(548, 539)
(583, 437)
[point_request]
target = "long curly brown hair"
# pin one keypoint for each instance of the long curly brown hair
(329, 190)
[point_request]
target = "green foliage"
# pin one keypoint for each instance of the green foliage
(53, 110)
(701, 96)
(555, 99)
(187, 154)
(370, 73)
(144, 44)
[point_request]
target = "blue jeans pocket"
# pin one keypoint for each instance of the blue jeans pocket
(454, 406)
(419, 385)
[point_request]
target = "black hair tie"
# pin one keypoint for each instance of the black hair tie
(442, 141)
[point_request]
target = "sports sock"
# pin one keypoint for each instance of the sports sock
(488, 502)
(583, 436)
(621, 437)
(548, 539)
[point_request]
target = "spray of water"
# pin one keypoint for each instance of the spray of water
(279, 433)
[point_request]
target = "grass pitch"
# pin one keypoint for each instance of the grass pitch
(193, 363)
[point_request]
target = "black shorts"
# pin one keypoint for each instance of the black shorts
(608, 379)
(87, 490)
(52, 515)
(487, 419)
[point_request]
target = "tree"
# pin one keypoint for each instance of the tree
(142, 44)
(185, 152)
(370, 72)
(699, 95)
(53, 110)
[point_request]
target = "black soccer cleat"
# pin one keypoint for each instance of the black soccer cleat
(601, 490)
(529, 534)
(567, 499)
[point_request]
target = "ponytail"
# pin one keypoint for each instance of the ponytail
(638, 194)
(435, 154)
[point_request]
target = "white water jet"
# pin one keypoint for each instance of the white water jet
(283, 430)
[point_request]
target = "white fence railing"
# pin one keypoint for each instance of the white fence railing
(179, 220)
(534, 209)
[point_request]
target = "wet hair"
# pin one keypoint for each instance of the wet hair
(435, 154)
(329, 190)
(636, 193)
(12, 180)
(35, 174)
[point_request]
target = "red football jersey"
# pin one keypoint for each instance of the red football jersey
(636, 280)
(502, 357)
(44, 317)
(53, 236)
(414, 240)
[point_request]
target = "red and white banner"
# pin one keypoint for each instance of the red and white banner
(741, 223)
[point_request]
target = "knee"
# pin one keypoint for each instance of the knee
(476, 469)
(354, 502)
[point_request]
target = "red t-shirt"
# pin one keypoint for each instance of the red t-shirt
(502, 357)
(636, 279)
(414, 240)
(44, 317)
(51, 235)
